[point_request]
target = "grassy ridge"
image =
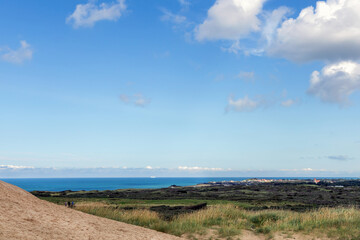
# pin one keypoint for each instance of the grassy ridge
(229, 220)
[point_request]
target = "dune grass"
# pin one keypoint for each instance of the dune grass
(229, 220)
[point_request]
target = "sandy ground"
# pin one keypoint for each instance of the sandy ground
(25, 217)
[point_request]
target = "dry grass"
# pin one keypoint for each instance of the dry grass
(229, 220)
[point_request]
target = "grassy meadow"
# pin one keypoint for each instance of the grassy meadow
(228, 219)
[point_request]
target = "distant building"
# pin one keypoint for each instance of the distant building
(316, 181)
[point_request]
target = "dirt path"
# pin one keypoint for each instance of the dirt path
(25, 217)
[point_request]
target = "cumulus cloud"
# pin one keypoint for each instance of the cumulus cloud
(272, 21)
(336, 82)
(136, 99)
(230, 20)
(86, 15)
(19, 55)
(330, 31)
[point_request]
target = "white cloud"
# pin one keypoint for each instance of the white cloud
(307, 169)
(86, 15)
(15, 167)
(136, 99)
(272, 21)
(149, 167)
(247, 104)
(19, 55)
(336, 82)
(230, 20)
(331, 31)
(171, 17)
(185, 168)
(243, 104)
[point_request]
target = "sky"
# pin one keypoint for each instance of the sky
(179, 88)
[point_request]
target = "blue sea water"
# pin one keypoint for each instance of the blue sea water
(76, 184)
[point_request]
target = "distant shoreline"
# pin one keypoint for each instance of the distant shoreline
(76, 184)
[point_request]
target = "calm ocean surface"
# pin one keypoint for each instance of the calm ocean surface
(75, 184)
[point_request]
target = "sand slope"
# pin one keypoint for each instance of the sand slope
(25, 217)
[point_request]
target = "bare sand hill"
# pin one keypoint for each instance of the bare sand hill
(25, 217)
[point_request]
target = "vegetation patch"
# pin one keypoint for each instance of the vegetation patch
(228, 220)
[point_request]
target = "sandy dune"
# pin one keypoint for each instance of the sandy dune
(25, 217)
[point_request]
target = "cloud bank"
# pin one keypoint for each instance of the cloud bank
(329, 32)
(10, 171)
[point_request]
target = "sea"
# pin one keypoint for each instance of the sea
(78, 184)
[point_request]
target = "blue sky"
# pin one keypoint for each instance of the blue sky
(185, 88)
